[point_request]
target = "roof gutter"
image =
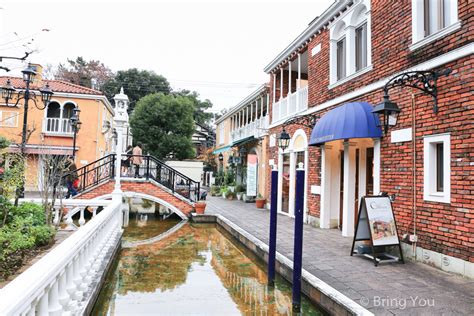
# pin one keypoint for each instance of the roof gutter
(303, 39)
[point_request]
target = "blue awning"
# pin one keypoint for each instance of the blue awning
(222, 149)
(351, 120)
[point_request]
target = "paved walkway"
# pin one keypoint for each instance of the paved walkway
(389, 289)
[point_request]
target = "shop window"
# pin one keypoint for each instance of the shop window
(437, 169)
(433, 19)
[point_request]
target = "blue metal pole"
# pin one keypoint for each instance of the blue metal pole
(298, 246)
(273, 228)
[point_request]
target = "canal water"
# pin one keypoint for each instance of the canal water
(196, 270)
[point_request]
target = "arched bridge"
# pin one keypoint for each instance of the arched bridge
(156, 181)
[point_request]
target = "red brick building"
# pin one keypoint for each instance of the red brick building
(344, 58)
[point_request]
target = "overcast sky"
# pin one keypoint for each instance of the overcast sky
(217, 48)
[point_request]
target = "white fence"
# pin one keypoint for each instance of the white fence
(294, 103)
(257, 128)
(55, 125)
(62, 281)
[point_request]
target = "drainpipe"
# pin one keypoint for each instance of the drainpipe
(413, 130)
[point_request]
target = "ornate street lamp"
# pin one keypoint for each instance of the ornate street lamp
(221, 157)
(387, 112)
(425, 81)
(283, 140)
(9, 92)
(76, 126)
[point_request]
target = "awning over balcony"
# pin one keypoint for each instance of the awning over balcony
(243, 141)
(351, 120)
(222, 149)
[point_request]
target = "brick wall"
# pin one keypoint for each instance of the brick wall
(444, 228)
(139, 187)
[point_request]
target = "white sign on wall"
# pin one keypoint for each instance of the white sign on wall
(251, 175)
(401, 135)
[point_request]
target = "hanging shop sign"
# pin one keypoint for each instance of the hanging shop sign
(251, 175)
(376, 224)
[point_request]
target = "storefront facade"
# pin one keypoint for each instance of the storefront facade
(424, 161)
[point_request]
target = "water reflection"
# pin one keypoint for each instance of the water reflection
(195, 271)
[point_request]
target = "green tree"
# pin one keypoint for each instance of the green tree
(91, 74)
(165, 125)
(136, 84)
(201, 117)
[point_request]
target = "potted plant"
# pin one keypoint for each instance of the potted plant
(239, 191)
(224, 191)
(215, 190)
(230, 195)
(200, 206)
(260, 201)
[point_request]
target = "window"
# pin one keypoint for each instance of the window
(437, 169)
(433, 19)
(57, 118)
(341, 59)
(8, 119)
(350, 44)
(221, 133)
(361, 47)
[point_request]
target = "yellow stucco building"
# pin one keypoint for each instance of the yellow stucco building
(49, 129)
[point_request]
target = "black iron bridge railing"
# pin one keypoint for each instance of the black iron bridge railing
(134, 166)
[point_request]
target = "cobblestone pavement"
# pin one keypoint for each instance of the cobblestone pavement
(389, 289)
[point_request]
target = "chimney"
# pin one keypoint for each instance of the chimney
(38, 81)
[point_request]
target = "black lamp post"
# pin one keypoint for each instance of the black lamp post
(76, 126)
(8, 92)
(425, 81)
(221, 157)
(283, 140)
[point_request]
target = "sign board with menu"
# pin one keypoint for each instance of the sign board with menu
(376, 224)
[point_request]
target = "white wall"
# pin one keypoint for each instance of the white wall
(192, 169)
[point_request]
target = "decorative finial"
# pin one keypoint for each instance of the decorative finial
(121, 90)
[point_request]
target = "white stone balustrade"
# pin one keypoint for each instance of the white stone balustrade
(60, 283)
(293, 104)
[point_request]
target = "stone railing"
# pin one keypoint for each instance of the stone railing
(257, 128)
(293, 104)
(64, 280)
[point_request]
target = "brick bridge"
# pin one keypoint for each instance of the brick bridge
(158, 182)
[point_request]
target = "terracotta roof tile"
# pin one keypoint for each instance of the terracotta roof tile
(55, 85)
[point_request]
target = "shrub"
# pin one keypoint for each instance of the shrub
(215, 190)
(239, 188)
(24, 230)
(5, 211)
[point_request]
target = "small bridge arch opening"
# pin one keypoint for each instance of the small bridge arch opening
(130, 194)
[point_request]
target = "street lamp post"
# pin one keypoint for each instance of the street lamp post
(8, 92)
(76, 126)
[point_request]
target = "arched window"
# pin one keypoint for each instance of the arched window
(57, 118)
(350, 49)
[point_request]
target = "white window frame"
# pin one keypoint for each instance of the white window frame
(4, 118)
(429, 168)
(221, 133)
(344, 27)
(418, 24)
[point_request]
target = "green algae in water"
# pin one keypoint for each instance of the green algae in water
(195, 271)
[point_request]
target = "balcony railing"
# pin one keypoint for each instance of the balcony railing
(294, 103)
(257, 128)
(56, 125)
